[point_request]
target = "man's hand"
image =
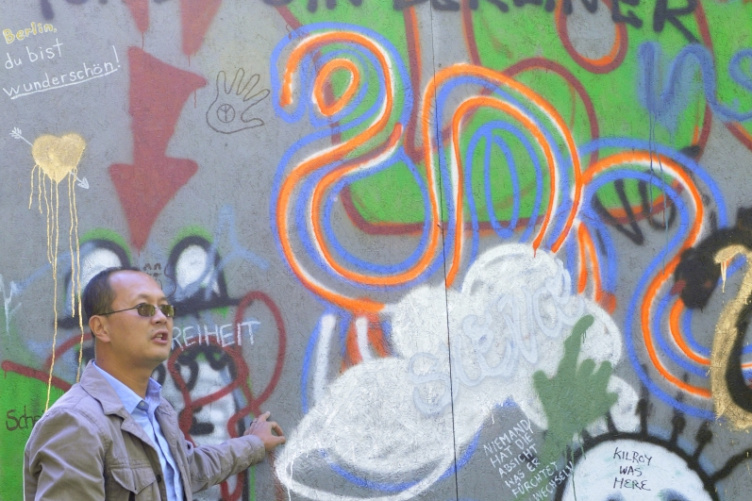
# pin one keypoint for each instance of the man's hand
(269, 432)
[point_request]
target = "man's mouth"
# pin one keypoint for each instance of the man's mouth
(161, 336)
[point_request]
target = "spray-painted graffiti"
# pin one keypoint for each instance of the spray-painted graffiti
(195, 18)
(628, 216)
(621, 10)
(640, 465)
(590, 103)
(521, 306)
(158, 93)
(472, 249)
(669, 181)
(208, 378)
(696, 277)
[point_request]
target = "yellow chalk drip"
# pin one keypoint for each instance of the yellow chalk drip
(71, 227)
(75, 267)
(52, 246)
(57, 158)
(31, 188)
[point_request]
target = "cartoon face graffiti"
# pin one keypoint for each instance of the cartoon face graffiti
(635, 470)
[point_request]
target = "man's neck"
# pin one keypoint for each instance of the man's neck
(135, 378)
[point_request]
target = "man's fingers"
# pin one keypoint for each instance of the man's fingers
(261, 418)
(278, 439)
(276, 428)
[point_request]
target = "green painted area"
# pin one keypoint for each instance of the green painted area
(574, 397)
(191, 231)
(393, 196)
(106, 234)
(22, 401)
(731, 22)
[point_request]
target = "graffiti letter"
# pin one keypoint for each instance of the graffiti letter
(450, 5)
(403, 4)
(9, 416)
(550, 4)
(663, 13)
(439, 394)
(676, 87)
(498, 3)
(630, 18)
(741, 60)
(590, 5)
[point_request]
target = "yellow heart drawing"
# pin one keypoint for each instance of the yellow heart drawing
(58, 156)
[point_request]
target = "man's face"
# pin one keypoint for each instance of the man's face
(135, 340)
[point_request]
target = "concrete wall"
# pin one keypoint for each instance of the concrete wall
(441, 241)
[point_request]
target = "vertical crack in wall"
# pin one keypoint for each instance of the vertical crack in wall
(440, 222)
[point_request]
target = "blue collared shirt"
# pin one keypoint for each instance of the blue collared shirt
(142, 411)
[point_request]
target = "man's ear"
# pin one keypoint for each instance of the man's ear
(98, 326)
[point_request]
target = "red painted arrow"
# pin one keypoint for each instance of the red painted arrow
(196, 16)
(157, 95)
(140, 12)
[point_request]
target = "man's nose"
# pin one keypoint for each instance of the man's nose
(159, 316)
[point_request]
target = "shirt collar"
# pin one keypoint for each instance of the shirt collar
(130, 398)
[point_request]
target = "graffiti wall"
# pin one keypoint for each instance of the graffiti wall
(461, 249)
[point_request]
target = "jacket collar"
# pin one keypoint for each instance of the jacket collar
(93, 383)
(100, 389)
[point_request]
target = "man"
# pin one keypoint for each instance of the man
(112, 436)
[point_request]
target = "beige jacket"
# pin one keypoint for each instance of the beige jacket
(88, 447)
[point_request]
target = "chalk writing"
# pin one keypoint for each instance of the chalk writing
(22, 34)
(631, 469)
(224, 335)
(512, 327)
(514, 455)
(83, 73)
(20, 422)
(632, 457)
(548, 473)
(46, 53)
(33, 56)
(499, 448)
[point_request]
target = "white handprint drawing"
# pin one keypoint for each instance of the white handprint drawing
(231, 111)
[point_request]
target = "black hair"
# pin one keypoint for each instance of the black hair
(98, 294)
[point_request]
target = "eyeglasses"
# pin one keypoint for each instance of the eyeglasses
(146, 310)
